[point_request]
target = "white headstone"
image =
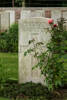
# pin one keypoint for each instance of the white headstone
(29, 13)
(30, 28)
(65, 18)
(55, 15)
(38, 13)
(12, 16)
(25, 14)
(65, 14)
(4, 20)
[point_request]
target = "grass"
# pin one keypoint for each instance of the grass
(3, 98)
(39, 98)
(9, 65)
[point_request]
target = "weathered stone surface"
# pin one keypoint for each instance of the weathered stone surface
(12, 16)
(65, 14)
(19, 9)
(65, 18)
(30, 28)
(55, 15)
(25, 14)
(7, 18)
(4, 20)
(38, 13)
(34, 13)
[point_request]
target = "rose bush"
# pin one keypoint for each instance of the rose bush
(49, 61)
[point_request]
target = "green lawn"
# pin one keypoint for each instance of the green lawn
(3, 98)
(41, 98)
(9, 65)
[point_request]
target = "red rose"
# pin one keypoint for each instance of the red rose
(50, 21)
(55, 25)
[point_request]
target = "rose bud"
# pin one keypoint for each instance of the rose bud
(55, 25)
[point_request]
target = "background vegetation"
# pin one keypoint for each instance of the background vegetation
(8, 56)
(9, 39)
(34, 3)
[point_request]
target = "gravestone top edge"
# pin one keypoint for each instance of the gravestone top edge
(4, 12)
(34, 18)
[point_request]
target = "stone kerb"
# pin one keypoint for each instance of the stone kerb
(4, 21)
(30, 28)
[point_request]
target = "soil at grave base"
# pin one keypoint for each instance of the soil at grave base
(63, 96)
(1, 31)
(22, 96)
